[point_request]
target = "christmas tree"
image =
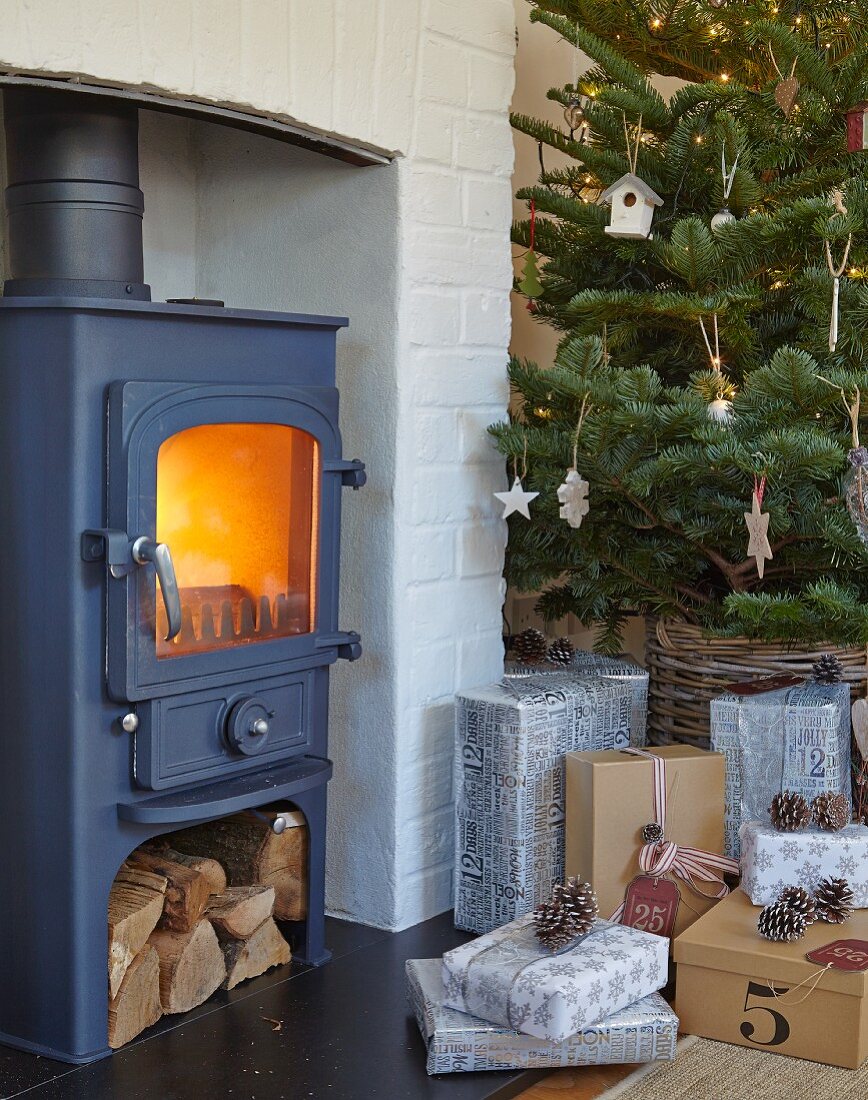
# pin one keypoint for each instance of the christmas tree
(705, 384)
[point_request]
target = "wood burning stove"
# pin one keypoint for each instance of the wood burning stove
(172, 511)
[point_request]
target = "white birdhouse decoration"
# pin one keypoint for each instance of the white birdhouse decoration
(632, 203)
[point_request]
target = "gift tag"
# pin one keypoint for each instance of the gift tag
(766, 683)
(842, 955)
(651, 905)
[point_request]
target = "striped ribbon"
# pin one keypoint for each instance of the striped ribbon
(688, 864)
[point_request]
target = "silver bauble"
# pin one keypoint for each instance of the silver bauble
(722, 217)
(720, 410)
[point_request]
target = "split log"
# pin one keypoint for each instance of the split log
(247, 958)
(240, 910)
(191, 966)
(254, 855)
(187, 892)
(135, 906)
(210, 868)
(137, 1004)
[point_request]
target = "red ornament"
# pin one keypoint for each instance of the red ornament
(857, 128)
(532, 307)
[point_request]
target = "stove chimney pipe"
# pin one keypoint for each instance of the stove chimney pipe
(73, 204)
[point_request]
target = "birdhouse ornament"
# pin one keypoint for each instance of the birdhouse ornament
(857, 128)
(632, 202)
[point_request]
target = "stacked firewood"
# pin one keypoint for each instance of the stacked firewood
(195, 911)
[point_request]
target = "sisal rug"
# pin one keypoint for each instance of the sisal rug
(706, 1070)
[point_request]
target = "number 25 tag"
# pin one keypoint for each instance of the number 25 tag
(651, 905)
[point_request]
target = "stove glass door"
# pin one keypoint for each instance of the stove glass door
(237, 506)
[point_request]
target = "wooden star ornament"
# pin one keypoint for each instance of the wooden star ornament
(757, 521)
(516, 500)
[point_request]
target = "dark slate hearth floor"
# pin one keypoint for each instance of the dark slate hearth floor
(345, 1034)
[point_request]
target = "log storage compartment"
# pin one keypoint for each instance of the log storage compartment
(170, 613)
(178, 930)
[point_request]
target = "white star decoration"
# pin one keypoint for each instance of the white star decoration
(758, 529)
(516, 500)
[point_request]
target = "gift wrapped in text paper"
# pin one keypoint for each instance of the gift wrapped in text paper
(457, 1043)
(794, 738)
(771, 860)
(508, 978)
(509, 786)
(585, 662)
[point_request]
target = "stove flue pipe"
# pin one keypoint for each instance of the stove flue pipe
(73, 204)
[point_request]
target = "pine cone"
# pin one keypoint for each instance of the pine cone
(561, 651)
(828, 669)
(790, 812)
(798, 900)
(652, 832)
(578, 902)
(530, 646)
(554, 929)
(831, 811)
(780, 923)
(834, 900)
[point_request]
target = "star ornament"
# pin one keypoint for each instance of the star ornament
(758, 530)
(516, 500)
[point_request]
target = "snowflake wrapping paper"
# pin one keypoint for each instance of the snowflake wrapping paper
(511, 980)
(771, 860)
(511, 741)
(585, 662)
(457, 1043)
(795, 739)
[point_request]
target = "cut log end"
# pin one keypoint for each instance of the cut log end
(240, 910)
(135, 906)
(191, 966)
(248, 958)
(137, 1004)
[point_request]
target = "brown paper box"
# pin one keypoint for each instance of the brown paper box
(610, 799)
(726, 971)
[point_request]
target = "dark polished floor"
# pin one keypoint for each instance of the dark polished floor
(341, 1032)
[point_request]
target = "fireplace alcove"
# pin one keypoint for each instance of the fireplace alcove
(87, 792)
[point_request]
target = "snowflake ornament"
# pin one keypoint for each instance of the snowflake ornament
(573, 497)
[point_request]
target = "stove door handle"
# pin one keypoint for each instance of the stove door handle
(147, 551)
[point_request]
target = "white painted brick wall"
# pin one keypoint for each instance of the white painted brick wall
(432, 80)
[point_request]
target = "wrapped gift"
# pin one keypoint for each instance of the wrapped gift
(508, 978)
(612, 796)
(509, 786)
(587, 663)
(457, 1043)
(771, 860)
(737, 987)
(795, 738)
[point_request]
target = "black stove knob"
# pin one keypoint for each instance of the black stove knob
(247, 725)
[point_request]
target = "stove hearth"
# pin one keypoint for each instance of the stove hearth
(174, 478)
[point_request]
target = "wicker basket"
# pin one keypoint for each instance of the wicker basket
(687, 669)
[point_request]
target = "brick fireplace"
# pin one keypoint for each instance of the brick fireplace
(416, 253)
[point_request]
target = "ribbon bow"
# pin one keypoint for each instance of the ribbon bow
(661, 857)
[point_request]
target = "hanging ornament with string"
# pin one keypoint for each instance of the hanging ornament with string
(574, 112)
(836, 271)
(631, 199)
(530, 283)
(787, 88)
(720, 408)
(516, 499)
(856, 478)
(724, 216)
(573, 493)
(757, 521)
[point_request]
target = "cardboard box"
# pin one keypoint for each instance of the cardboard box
(771, 860)
(646, 1031)
(726, 972)
(509, 978)
(511, 738)
(610, 799)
